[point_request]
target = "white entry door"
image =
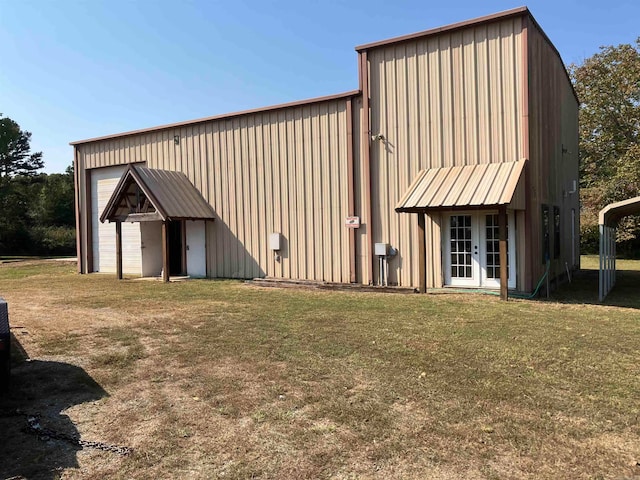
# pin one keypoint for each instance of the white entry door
(196, 249)
(472, 250)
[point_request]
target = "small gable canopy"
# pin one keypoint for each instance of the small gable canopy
(468, 186)
(146, 194)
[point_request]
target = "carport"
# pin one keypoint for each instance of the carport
(608, 221)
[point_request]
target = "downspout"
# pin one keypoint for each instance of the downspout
(76, 182)
(88, 229)
(351, 192)
(366, 160)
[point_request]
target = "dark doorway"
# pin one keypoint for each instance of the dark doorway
(175, 248)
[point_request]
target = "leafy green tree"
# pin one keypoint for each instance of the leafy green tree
(15, 150)
(54, 203)
(608, 85)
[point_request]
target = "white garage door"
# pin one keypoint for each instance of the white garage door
(103, 182)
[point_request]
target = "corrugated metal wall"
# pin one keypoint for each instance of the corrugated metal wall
(281, 171)
(451, 99)
(553, 146)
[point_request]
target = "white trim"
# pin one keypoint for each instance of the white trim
(478, 251)
(474, 280)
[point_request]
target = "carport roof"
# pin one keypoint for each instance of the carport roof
(613, 212)
(171, 193)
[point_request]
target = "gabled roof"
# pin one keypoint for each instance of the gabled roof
(485, 185)
(171, 194)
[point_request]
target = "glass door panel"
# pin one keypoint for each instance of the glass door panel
(472, 250)
(462, 251)
(490, 260)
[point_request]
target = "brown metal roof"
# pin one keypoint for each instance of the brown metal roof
(270, 108)
(447, 28)
(613, 212)
(171, 194)
(483, 185)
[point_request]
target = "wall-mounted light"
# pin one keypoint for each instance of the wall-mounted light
(377, 137)
(176, 139)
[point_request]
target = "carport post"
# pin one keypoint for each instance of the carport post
(422, 253)
(119, 249)
(165, 251)
(504, 269)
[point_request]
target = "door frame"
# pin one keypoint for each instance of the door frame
(478, 255)
(474, 280)
(486, 282)
(177, 251)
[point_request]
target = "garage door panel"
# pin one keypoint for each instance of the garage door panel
(103, 183)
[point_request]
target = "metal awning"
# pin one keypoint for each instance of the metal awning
(487, 185)
(147, 194)
(608, 220)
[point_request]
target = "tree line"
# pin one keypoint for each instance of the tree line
(608, 86)
(37, 215)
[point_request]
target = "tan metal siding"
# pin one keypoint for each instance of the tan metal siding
(278, 171)
(444, 100)
(553, 123)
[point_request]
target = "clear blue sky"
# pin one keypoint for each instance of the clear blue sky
(75, 69)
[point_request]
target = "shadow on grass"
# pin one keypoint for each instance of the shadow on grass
(45, 388)
(584, 289)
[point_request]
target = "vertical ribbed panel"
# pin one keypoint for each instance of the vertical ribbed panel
(279, 171)
(443, 100)
(553, 125)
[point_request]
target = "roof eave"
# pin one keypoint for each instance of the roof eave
(447, 28)
(224, 116)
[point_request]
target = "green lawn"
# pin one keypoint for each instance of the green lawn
(217, 379)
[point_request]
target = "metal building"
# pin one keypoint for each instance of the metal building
(458, 152)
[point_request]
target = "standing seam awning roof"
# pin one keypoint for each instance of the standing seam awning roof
(483, 185)
(171, 193)
(613, 212)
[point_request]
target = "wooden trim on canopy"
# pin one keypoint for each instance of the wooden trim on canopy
(145, 194)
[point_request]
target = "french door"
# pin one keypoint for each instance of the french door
(472, 250)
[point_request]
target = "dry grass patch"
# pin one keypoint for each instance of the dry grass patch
(215, 379)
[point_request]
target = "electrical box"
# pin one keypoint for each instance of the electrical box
(275, 240)
(381, 249)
